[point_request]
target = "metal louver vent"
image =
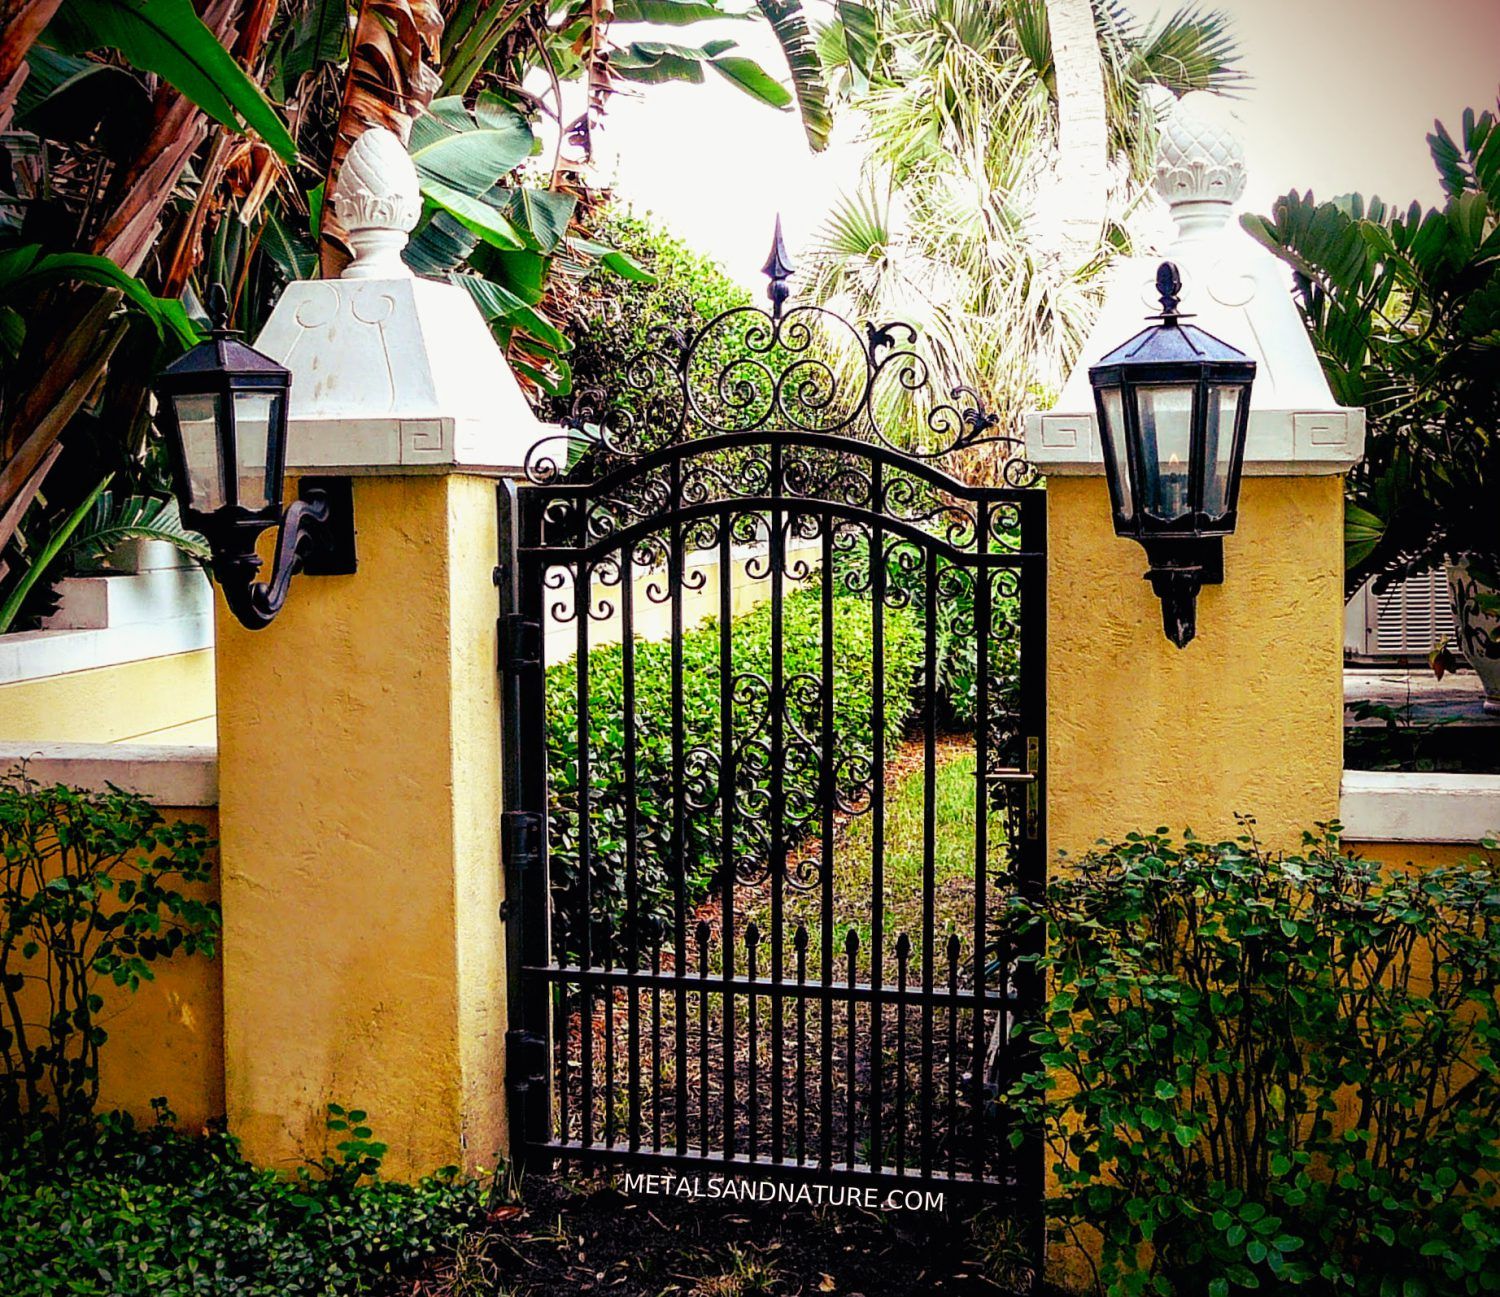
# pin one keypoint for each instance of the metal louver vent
(1415, 615)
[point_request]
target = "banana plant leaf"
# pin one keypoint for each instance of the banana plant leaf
(29, 267)
(657, 62)
(75, 100)
(168, 38)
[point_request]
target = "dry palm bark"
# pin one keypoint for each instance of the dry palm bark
(392, 77)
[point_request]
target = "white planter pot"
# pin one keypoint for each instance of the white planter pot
(1478, 631)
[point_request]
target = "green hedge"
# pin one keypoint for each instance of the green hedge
(1273, 1073)
(852, 657)
(124, 1211)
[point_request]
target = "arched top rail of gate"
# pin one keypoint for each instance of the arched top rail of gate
(791, 412)
(789, 370)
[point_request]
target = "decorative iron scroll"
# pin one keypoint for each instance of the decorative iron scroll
(799, 369)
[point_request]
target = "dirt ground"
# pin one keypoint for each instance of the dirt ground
(583, 1234)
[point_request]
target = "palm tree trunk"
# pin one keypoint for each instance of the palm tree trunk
(1082, 127)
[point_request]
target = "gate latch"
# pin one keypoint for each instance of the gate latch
(521, 838)
(525, 1059)
(520, 643)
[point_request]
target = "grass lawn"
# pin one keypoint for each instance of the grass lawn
(904, 864)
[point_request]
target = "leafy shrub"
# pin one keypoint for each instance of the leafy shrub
(608, 796)
(122, 1210)
(1274, 1072)
(89, 892)
(957, 650)
(613, 319)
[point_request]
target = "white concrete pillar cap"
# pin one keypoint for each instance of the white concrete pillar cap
(1235, 289)
(392, 372)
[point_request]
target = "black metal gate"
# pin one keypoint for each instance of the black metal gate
(774, 709)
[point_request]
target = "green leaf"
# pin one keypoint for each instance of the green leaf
(474, 214)
(44, 559)
(539, 213)
(1362, 533)
(670, 13)
(168, 38)
(27, 266)
(294, 257)
(457, 150)
(497, 303)
(135, 517)
(754, 80)
(789, 24)
(625, 266)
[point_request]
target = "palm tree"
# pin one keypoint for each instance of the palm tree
(1007, 146)
(1082, 123)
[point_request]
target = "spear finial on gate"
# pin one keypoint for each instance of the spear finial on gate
(778, 269)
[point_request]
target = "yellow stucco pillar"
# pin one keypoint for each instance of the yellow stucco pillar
(1247, 719)
(360, 800)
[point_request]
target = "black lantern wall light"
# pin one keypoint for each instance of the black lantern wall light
(1173, 405)
(223, 409)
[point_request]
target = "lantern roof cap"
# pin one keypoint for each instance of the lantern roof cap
(1173, 343)
(222, 351)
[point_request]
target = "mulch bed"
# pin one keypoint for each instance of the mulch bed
(583, 1235)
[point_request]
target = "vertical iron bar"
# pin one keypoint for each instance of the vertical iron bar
(675, 575)
(1032, 612)
(778, 789)
(799, 941)
(929, 850)
(632, 833)
(726, 809)
(528, 921)
(851, 956)
(983, 616)
(703, 1034)
(951, 1132)
(826, 804)
(582, 600)
(656, 1042)
(877, 817)
(903, 953)
(752, 1093)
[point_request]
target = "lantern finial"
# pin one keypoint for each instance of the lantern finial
(1169, 288)
(218, 310)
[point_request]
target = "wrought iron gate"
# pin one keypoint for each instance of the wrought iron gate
(756, 867)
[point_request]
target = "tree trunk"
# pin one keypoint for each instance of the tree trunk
(1082, 130)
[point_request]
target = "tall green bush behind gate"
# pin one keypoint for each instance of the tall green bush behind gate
(609, 793)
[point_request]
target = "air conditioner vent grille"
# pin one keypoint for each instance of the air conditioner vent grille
(1414, 615)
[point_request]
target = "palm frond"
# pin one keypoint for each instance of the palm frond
(789, 23)
(113, 521)
(1191, 49)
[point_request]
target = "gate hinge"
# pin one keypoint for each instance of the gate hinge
(520, 643)
(521, 838)
(525, 1058)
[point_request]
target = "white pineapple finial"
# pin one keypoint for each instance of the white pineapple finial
(1200, 163)
(378, 202)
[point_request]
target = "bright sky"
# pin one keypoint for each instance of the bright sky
(1343, 95)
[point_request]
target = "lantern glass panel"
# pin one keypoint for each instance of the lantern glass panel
(1166, 415)
(255, 414)
(1114, 429)
(1223, 416)
(198, 417)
